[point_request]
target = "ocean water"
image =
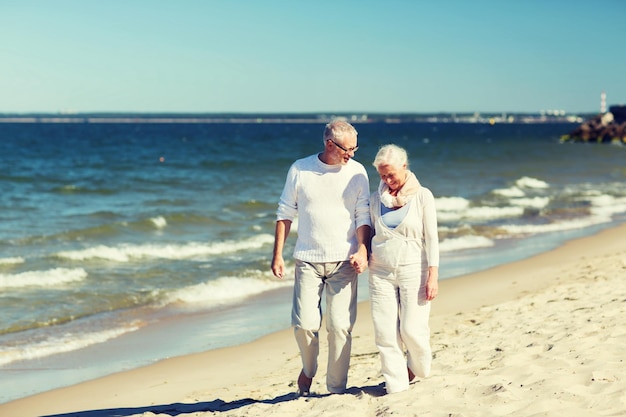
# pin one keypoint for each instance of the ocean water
(125, 243)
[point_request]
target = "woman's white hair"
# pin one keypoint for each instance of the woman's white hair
(391, 155)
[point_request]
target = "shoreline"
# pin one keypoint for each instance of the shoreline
(237, 324)
(235, 379)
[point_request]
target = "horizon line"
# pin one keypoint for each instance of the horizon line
(62, 113)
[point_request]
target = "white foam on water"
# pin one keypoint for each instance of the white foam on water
(557, 226)
(529, 182)
(128, 252)
(533, 202)
(224, 290)
(159, 222)
(510, 192)
(66, 342)
(465, 242)
(48, 278)
(12, 261)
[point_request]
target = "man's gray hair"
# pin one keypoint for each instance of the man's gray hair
(338, 129)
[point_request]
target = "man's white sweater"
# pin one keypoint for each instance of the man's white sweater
(331, 202)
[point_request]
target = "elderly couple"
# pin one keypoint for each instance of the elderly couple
(342, 231)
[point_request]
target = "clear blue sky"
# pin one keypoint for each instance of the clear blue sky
(311, 56)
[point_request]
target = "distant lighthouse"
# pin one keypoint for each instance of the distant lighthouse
(603, 103)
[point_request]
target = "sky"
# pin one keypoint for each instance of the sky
(269, 56)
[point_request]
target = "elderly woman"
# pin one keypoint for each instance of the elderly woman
(404, 268)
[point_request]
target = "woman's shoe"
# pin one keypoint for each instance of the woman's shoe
(411, 374)
(304, 384)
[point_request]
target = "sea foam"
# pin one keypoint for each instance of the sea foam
(224, 290)
(465, 242)
(607, 205)
(49, 278)
(11, 261)
(510, 192)
(65, 342)
(159, 222)
(529, 182)
(126, 252)
(557, 226)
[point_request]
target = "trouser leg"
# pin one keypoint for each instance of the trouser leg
(306, 314)
(414, 317)
(384, 307)
(341, 299)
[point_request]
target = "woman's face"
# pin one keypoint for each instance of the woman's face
(393, 176)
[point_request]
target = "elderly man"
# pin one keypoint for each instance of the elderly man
(329, 192)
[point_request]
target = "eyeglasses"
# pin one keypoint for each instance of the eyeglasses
(347, 150)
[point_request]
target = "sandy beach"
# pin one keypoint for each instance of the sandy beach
(543, 336)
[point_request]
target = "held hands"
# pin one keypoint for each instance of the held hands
(359, 261)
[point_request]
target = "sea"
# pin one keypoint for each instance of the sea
(122, 244)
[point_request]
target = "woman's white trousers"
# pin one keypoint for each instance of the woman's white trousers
(400, 313)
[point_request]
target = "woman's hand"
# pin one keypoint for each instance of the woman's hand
(432, 283)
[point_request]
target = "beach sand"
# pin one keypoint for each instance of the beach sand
(545, 336)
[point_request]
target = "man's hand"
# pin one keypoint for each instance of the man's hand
(278, 267)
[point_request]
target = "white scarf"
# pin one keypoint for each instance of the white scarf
(408, 189)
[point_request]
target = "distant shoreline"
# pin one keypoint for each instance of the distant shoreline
(391, 118)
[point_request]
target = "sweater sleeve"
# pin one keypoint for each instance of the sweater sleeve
(431, 236)
(288, 203)
(362, 211)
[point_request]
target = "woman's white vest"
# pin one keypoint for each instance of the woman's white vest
(404, 244)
